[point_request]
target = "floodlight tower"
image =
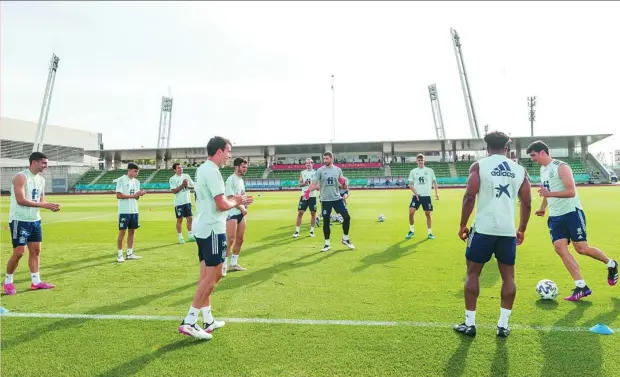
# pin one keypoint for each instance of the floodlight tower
(437, 116)
(45, 107)
(165, 125)
(469, 102)
(531, 103)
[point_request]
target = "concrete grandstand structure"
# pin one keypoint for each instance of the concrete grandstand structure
(64, 147)
(383, 164)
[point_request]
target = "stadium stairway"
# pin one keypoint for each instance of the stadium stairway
(97, 178)
(453, 172)
(148, 179)
(266, 173)
(388, 170)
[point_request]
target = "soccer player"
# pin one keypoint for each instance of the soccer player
(344, 190)
(27, 199)
(128, 192)
(421, 181)
(210, 232)
(497, 181)
(328, 178)
(567, 221)
(180, 185)
(235, 223)
(304, 182)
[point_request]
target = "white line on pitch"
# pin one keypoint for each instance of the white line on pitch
(287, 321)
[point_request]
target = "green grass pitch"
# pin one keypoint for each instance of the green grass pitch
(412, 288)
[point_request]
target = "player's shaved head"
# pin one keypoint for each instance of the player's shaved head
(497, 141)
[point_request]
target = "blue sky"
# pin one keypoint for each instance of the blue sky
(260, 72)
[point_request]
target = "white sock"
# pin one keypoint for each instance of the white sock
(129, 251)
(503, 317)
(35, 278)
(233, 260)
(411, 228)
(120, 253)
(192, 316)
(312, 229)
(470, 318)
(180, 235)
(580, 283)
(345, 237)
(611, 263)
(206, 313)
(296, 229)
(327, 242)
(9, 279)
(225, 262)
(430, 231)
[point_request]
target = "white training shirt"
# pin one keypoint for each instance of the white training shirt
(422, 180)
(209, 184)
(234, 186)
(127, 186)
(308, 176)
(550, 179)
(34, 187)
(183, 196)
(500, 182)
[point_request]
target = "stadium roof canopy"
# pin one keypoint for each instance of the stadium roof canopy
(554, 142)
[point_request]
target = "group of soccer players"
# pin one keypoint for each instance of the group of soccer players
(495, 181)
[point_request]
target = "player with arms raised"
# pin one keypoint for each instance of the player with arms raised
(27, 199)
(497, 181)
(421, 181)
(235, 223)
(210, 231)
(180, 186)
(305, 179)
(567, 221)
(328, 178)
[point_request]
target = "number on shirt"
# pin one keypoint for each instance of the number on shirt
(330, 180)
(546, 185)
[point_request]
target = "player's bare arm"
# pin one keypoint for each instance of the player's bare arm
(469, 199)
(181, 187)
(566, 175)
(240, 207)
(543, 208)
(525, 200)
(436, 187)
(302, 183)
(19, 184)
(224, 204)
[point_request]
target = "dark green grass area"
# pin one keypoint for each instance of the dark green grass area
(387, 278)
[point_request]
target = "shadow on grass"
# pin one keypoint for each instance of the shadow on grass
(390, 254)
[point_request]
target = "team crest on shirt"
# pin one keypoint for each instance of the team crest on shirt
(551, 174)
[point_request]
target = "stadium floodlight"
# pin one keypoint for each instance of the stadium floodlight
(531, 104)
(165, 123)
(45, 107)
(469, 101)
(440, 131)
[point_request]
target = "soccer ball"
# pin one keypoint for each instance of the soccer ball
(547, 289)
(381, 218)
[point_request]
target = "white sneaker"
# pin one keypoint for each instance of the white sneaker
(133, 256)
(213, 326)
(236, 267)
(120, 259)
(181, 240)
(296, 235)
(224, 270)
(311, 234)
(194, 331)
(348, 244)
(326, 248)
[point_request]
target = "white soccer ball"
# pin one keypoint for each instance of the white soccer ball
(547, 289)
(381, 218)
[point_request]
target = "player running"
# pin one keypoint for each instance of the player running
(27, 199)
(128, 192)
(304, 182)
(421, 181)
(567, 221)
(235, 223)
(328, 178)
(497, 181)
(180, 185)
(344, 190)
(210, 232)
